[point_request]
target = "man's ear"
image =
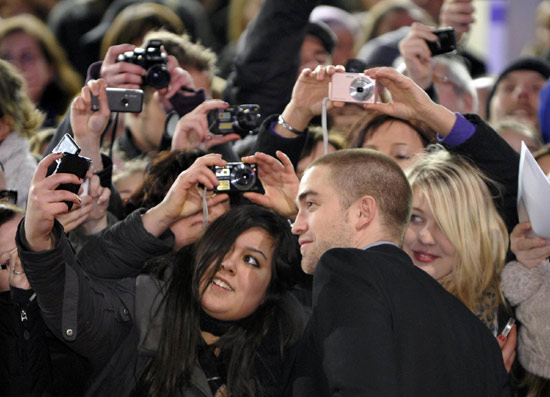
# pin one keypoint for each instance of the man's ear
(366, 211)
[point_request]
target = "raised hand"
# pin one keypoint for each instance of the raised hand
(417, 55)
(192, 130)
(409, 101)
(279, 181)
(457, 14)
(308, 93)
(121, 74)
(45, 203)
(530, 250)
(185, 196)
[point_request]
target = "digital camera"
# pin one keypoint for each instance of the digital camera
(352, 87)
(240, 119)
(237, 177)
(152, 59)
(446, 41)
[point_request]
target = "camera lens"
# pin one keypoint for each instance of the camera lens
(243, 177)
(158, 76)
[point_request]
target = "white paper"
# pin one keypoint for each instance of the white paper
(533, 194)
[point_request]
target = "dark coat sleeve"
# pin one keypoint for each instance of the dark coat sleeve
(269, 142)
(91, 316)
(121, 250)
(498, 161)
(268, 56)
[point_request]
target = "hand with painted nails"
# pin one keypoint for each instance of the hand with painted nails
(192, 130)
(45, 203)
(279, 181)
(508, 347)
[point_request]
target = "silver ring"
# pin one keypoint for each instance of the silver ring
(18, 273)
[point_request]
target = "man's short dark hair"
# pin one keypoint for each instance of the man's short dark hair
(355, 173)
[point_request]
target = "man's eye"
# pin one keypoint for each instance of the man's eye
(251, 261)
(309, 204)
(402, 157)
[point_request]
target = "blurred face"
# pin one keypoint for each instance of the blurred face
(313, 53)
(321, 223)
(188, 230)
(147, 127)
(394, 20)
(397, 140)
(317, 151)
(25, 53)
(428, 247)
(240, 285)
(514, 139)
(7, 244)
(344, 49)
(129, 185)
(517, 96)
(201, 79)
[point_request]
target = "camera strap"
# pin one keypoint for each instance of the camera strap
(324, 125)
(204, 210)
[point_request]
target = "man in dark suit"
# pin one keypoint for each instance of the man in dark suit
(380, 326)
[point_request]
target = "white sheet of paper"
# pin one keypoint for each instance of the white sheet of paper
(533, 194)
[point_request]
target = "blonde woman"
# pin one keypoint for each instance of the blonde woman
(456, 234)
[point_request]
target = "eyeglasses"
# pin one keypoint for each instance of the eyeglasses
(8, 196)
(441, 78)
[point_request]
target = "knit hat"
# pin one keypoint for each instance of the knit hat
(322, 31)
(525, 63)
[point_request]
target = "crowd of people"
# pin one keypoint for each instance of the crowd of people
(235, 229)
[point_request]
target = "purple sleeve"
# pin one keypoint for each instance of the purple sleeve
(461, 131)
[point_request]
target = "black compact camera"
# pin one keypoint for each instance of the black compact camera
(70, 163)
(240, 119)
(237, 177)
(152, 59)
(121, 100)
(446, 41)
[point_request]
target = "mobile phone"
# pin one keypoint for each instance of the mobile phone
(66, 145)
(446, 41)
(508, 327)
(72, 164)
(121, 100)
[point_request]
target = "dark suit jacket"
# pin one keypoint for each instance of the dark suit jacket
(382, 327)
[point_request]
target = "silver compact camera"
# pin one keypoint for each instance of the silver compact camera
(352, 87)
(237, 177)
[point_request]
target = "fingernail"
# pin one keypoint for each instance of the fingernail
(502, 338)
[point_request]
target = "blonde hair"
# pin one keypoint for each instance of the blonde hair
(463, 207)
(15, 104)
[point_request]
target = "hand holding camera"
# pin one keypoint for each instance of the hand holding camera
(192, 130)
(409, 101)
(458, 14)
(279, 182)
(185, 195)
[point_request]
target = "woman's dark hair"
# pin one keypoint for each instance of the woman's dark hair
(170, 372)
(369, 123)
(160, 175)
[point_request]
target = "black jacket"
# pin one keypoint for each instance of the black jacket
(383, 327)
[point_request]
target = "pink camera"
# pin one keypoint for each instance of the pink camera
(352, 87)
